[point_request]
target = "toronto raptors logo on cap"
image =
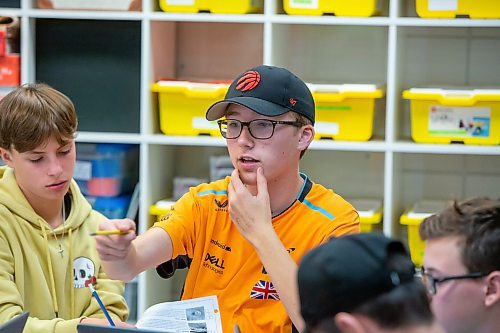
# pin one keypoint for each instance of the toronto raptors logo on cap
(248, 81)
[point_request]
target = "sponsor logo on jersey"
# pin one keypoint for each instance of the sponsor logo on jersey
(214, 263)
(221, 205)
(165, 217)
(222, 246)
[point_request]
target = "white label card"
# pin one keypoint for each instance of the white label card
(443, 4)
(326, 128)
(83, 170)
(180, 2)
(202, 123)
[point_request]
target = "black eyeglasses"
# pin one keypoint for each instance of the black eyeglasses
(431, 282)
(258, 128)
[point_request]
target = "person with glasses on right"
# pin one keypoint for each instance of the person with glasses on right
(242, 236)
(461, 266)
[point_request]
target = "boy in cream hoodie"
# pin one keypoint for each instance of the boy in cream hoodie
(47, 258)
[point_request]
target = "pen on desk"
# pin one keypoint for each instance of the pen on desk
(110, 232)
(103, 308)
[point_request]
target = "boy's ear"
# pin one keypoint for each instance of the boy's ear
(347, 323)
(306, 136)
(6, 156)
(492, 296)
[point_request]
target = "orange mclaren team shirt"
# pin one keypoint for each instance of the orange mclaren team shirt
(221, 262)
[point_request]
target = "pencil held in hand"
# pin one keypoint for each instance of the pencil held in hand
(110, 232)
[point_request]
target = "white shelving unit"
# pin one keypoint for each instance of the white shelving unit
(397, 49)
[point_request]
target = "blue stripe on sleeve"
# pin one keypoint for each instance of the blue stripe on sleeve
(222, 192)
(319, 209)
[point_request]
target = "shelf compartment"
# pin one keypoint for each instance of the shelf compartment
(10, 4)
(444, 57)
(96, 64)
(193, 51)
(445, 177)
(335, 55)
(331, 172)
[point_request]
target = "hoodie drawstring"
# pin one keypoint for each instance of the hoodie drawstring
(51, 272)
(72, 299)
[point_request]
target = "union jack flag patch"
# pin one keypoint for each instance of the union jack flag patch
(264, 290)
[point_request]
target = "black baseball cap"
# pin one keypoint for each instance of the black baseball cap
(269, 91)
(348, 271)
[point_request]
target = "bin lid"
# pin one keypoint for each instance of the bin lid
(161, 207)
(369, 210)
(343, 88)
(422, 209)
(174, 85)
(445, 94)
(338, 92)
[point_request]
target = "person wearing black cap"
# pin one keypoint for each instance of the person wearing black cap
(242, 236)
(363, 284)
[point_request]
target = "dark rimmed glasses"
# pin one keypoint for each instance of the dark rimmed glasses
(258, 128)
(431, 282)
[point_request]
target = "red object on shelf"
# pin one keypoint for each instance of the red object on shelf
(3, 42)
(9, 70)
(104, 186)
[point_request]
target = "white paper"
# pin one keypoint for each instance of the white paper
(192, 315)
(443, 4)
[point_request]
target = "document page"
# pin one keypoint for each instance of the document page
(187, 316)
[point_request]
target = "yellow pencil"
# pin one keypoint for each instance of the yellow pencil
(110, 232)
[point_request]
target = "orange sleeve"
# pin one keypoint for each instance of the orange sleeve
(180, 224)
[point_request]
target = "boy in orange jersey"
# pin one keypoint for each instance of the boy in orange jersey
(242, 236)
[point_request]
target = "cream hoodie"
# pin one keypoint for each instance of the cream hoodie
(33, 275)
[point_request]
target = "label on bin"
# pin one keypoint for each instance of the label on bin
(459, 121)
(304, 4)
(323, 127)
(202, 123)
(180, 2)
(83, 170)
(443, 4)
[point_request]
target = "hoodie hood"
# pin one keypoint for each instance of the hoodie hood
(13, 199)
